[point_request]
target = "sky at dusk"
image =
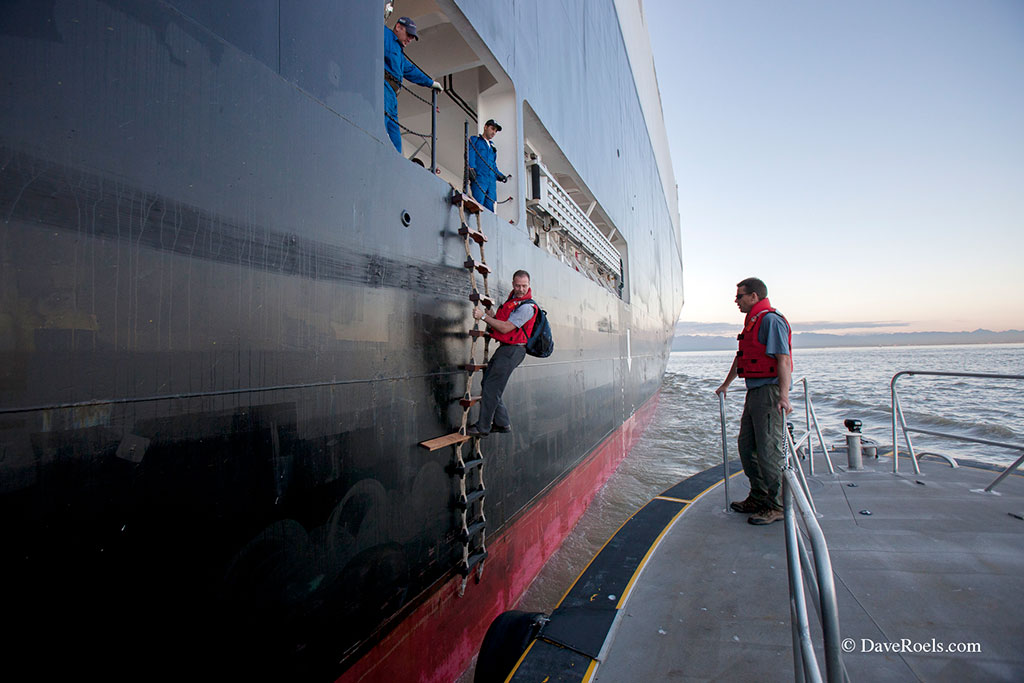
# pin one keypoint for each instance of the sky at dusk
(865, 159)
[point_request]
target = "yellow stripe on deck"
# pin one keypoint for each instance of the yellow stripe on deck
(673, 500)
(647, 556)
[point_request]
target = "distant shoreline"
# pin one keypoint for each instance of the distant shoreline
(815, 340)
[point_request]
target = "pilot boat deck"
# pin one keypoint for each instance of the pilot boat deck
(689, 591)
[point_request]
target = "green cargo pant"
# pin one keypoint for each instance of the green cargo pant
(760, 444)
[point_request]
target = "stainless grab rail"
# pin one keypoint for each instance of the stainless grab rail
(791, 460)
(897, 416)
(433, 131)
(819, 579)
(822, 586)
(790, 446)
(725, 451)
(812, 421)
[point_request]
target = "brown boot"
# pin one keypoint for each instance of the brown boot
(746, 506)
(766, 516)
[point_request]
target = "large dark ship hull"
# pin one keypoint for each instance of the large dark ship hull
(221, 344)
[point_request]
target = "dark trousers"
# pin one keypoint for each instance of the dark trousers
(760, 444)
(499, 368)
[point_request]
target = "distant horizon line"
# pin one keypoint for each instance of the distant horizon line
(727, 329)
(865, 345)
(809, 340)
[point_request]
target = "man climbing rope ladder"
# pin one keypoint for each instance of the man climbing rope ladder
(511, 326)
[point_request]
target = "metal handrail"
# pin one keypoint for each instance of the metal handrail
(790, 445)
(805, 661)
(819, 579)
(433, 131)
(573, 220)
(897, 416)
(725, 451)
(791, 460)
(725, 454)
(812, 421)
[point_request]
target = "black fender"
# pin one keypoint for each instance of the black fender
(506, 640)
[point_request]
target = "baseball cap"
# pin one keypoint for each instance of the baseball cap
(492, 122)
(410, 27)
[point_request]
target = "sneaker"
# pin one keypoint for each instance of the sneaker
(473, 431)
(766, 516)
(746, 506)
(501, 430)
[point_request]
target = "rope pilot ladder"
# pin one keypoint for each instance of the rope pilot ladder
(468, 469)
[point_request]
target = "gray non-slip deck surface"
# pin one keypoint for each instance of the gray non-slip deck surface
(934, 564)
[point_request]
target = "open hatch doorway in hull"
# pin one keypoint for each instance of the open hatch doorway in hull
(476, 89)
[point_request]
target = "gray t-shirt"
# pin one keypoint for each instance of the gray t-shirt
(774, 334)
(521, 315)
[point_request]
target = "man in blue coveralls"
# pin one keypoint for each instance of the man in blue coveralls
(396, 67)
(482, 163)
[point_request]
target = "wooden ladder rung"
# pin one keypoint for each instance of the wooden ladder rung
(473, 367)
(464, 468)
(475, 235)
(479, 333)
(478, 298)
(468, 533)
(468, 402)
(468, 203)
(481, 267)
(465, 567)
(471, 465)
(464, 502)
(443, 441)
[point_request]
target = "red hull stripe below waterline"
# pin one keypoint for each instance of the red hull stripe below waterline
(436, 643)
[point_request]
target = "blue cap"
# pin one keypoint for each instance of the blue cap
(410, 27)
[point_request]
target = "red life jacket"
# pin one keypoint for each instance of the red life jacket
(752, 361)
(520, 334)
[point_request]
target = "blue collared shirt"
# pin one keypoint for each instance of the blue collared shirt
(484, 158)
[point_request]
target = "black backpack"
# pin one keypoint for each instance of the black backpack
(540, 343)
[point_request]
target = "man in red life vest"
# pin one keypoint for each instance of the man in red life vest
(511, 326)
(764, 360)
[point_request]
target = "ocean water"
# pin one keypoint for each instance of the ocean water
(684, 436)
